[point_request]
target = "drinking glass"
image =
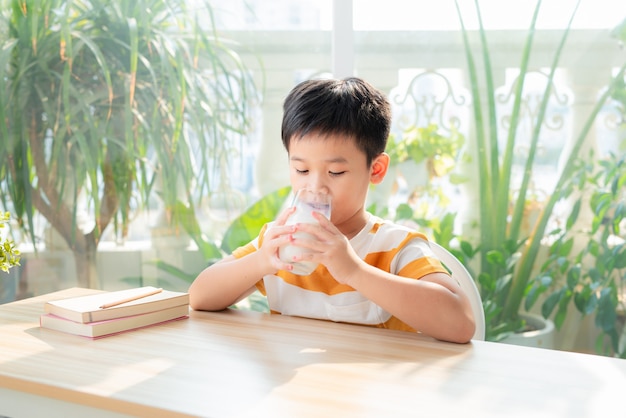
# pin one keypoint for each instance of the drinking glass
(306, 201)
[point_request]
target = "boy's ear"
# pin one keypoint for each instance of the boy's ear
(380, 165)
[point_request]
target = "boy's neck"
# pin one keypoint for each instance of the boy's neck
(352, 226)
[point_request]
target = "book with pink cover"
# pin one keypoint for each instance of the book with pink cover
(113, 326)
(88, 308)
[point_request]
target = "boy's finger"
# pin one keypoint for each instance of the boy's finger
(323, 221)
(277, 231)
(284, 215)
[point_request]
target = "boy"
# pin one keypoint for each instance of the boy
(370, 271)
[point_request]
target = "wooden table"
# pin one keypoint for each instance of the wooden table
(239, 364)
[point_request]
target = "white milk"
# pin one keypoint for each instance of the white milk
(303, 214)
(287, 252)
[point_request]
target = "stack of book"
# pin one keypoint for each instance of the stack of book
(107, 313)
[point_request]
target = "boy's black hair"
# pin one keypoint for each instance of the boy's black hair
(350, 107)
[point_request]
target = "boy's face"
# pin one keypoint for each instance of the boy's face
(335, 165)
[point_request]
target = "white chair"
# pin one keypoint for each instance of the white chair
(460, 273)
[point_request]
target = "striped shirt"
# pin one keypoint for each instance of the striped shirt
(391, 247)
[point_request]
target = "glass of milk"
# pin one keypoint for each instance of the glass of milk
(306, 202)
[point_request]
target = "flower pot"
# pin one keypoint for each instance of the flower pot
(541, 334)
(8, 285)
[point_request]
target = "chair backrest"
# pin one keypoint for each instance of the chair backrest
(460, 273)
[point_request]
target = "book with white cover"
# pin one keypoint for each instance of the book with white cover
(89, 308)
(113, 326)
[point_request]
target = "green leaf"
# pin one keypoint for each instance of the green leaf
(537, 289)
(594, 248)
(573, 216)
(467, 249)
(600, 204)
(404, 211)
(606, 315)
(586, 300)
(187, 217)
(561, 314)
(566, 247)
(444, 233)
(573, 277)
(619, 256)
(487, 283)
(550, 303)
(247, 226)
(618, 216)
(595, 274)
(503, 283)
(496, 258)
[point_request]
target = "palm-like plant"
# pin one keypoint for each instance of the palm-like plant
(101, 97)
(507, 257)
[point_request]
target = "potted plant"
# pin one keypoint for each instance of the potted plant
(426, 145)
(423, 157)
(9, 258)
(586, 265)
(9, 255)
(505, 257)
(105, 99)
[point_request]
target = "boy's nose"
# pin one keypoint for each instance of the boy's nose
(318, 188)
(317, 185)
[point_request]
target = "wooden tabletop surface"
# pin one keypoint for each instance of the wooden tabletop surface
(240, 364)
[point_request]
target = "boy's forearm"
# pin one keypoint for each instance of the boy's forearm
(224, 283)
(431, 305)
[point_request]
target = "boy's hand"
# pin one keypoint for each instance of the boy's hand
(330, 248)
(275, 237)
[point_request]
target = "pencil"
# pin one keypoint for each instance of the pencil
(130, 299)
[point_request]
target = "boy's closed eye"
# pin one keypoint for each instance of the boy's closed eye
(331, 173)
